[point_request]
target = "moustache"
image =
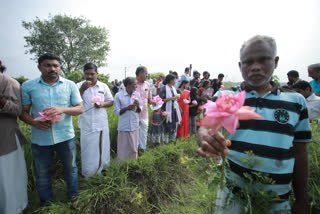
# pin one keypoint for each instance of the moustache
(52, 72)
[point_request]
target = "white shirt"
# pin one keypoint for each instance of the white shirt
(94, 119)
(313, 105)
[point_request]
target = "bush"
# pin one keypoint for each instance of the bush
(21, 79)
(156, 75)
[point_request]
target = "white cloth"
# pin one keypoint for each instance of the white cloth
(170, 103)
(95, 151)
(13, 182)
(143, 132)
(94, 119)
(313, 105)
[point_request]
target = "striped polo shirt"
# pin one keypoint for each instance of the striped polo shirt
(285, 120)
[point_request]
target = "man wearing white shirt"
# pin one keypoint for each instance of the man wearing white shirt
(313, 101)
(93, 123)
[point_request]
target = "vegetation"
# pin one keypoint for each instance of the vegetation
(74, 39)
(21, 79)
(156, 75)
(166, 179)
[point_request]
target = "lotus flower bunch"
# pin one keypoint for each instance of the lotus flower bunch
(157, 100)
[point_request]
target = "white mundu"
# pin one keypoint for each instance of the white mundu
(94, 131)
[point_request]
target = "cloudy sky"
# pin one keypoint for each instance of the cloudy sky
(171, 34)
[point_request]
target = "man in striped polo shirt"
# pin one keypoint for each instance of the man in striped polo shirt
(278, 141)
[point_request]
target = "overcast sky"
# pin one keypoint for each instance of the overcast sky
(171, 34)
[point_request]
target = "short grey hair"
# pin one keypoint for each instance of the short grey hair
(314, 67)
(260, 38)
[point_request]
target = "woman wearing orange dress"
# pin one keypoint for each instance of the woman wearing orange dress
(183, 130)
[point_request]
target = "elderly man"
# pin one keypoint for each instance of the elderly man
(313, 101)
(55, 96)
(143, 88)
(278, 141)
(128, 105)
(314, 73)
(93, 123)
(13, 172)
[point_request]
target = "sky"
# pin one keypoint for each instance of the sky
(171, 34)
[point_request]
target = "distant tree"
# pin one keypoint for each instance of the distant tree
(276, 79)
(72, 38)
(104, 78)
(75, 76)
(21, 79)
(156, 75)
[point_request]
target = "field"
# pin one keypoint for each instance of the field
(166, 179)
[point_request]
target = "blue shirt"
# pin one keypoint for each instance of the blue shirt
(129, 120)
(315, 86)
(285, 121)
(39, 95)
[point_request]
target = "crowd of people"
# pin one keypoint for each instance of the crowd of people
(48, 103)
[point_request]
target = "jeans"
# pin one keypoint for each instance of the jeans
(43, 155)
(192, 124)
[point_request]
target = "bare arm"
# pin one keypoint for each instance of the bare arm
(300, 178)
(73, 110)
(26, 117)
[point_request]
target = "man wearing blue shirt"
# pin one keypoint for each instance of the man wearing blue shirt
(314, 73)
(56, 96)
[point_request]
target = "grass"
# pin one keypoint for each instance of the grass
(166, 179)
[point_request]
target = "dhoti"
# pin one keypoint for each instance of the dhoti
(95, 151)
(13, 182)
(127, 146)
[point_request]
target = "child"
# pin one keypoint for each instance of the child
(193, 107)
(156, 129)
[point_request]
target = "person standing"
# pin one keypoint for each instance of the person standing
(195, 82)
(93, 123)
(313, 101)
(293, 78)
(54, 95)
(143, 88)
(314, 73)
(128, 105)
(184, 100)
(169, 96)
(13, 172)
(278, 141)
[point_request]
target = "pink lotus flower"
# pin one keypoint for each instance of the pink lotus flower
(194, 102)
(45, 117)
(157, 100)
(227, 111)
(186, 101)
(166, 113)
(135, 98)
(53, 119)
(96, 99)
(221, 87)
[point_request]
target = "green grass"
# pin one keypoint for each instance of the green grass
(166, 179)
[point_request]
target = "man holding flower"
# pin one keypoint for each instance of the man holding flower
(93, 123)
(54, 95)
(277, 141)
